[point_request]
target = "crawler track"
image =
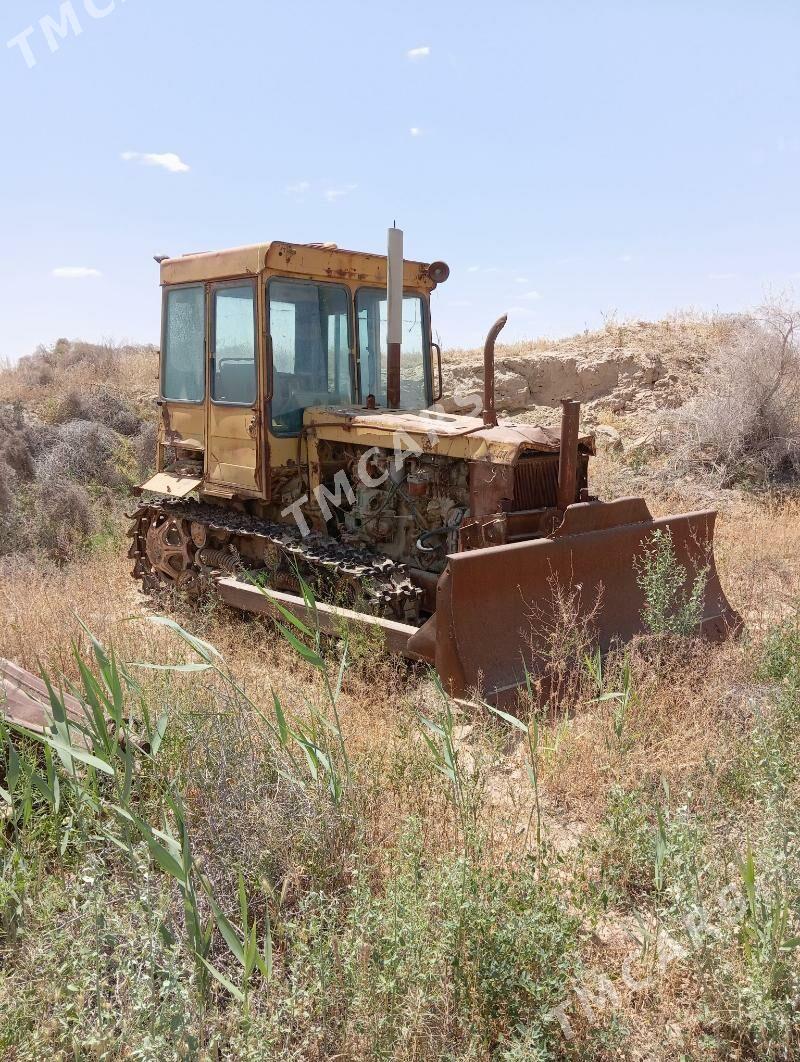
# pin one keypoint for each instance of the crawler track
(187, 544)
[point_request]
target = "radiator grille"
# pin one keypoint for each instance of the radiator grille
(536, 481)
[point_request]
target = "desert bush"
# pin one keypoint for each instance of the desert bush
(441, 959)
(100, 406)
(84, 452)
(743, 424)
(42, 380)
(144, 447)
(22, 439)
(64, 519)
(18, 456)
(7, 485)
(564, 633)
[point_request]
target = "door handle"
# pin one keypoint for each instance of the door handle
(270, 371)
(439, 363)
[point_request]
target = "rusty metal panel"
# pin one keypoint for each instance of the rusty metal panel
(329, 262)
(509, 590)
(173, 485)
(322, 261)
(330, 618)
(491, 488)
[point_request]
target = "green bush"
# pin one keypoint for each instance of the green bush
(780, 660)
(672, 605)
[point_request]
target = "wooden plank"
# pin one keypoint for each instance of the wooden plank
(331, 618)
(24, 699)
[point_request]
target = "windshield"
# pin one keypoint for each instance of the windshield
(414, 352)
(309, 326)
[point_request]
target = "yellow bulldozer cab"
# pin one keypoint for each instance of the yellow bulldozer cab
(254, 337)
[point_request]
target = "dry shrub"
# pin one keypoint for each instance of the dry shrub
(64, 519)
(743, 425)
(563, 634)
(246, 811)
(144, 447)
(7, 485)
(102, 407)
(85, 452)
(22, 439)
(41, 379)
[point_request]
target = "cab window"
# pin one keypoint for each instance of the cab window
(309, 327)
(371, 314)
(233, 352)
(183, 345)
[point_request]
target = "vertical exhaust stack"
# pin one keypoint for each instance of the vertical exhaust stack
(489, 412)
(394, 322)
(568, 455)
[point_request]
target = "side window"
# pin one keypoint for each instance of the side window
(233, 318)
(309, 325)
(414, 358)
(183, 377)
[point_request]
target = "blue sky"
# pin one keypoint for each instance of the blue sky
(568, 159)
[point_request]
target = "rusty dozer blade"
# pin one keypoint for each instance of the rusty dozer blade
(496, 606)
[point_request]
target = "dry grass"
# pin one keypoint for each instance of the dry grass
(689, 715)
(41, 380)
(682, 340)
(694, 726)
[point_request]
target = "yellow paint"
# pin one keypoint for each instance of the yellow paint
(188, 422)
(237, 441)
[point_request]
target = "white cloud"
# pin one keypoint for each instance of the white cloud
(414, 54)
(626, 258)
(533, 295)
(332, 194)
(722, 276)
(298, 188)
(521, 280)
(524, 310)
(415, 130)
(473, 269)
(168, 161)
(75, 272)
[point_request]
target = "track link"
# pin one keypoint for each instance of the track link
(166, 549)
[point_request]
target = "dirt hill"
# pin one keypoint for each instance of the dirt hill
(625, 368)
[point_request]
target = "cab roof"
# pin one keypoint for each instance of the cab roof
(312, 261)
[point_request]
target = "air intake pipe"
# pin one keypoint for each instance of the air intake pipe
(489, 412)
(568, 454)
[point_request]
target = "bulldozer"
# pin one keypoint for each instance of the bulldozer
(302, 445)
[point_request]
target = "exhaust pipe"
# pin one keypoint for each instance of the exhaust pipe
(489, 413)
(394, 315)
(568, 455)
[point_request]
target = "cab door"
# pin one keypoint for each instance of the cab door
(234, 419)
